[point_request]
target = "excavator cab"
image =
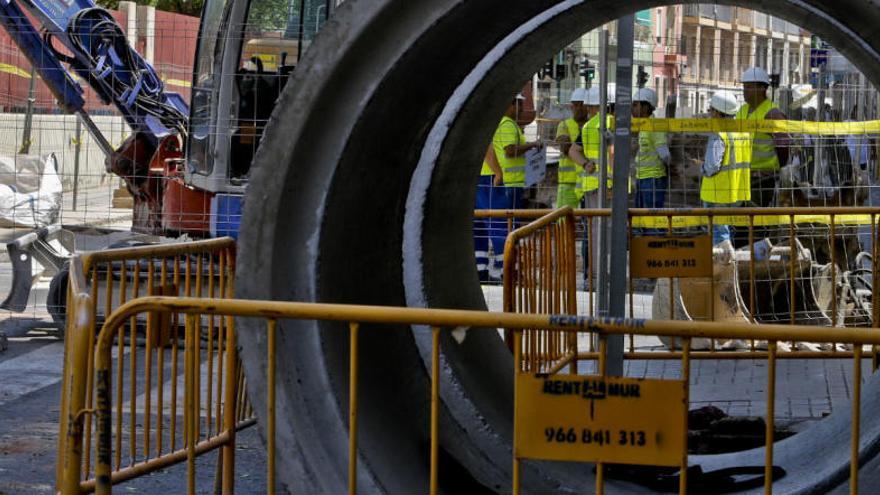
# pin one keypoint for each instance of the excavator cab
(186, 167)
(237, 79)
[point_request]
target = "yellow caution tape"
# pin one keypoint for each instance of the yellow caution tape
(177, 82)
(14, 70)
(679, 222)
(752, 126)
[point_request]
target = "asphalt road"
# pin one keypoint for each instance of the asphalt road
(30, 391)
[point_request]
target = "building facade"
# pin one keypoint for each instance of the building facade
(713, 45)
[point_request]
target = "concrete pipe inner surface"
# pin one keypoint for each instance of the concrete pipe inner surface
(362, 192)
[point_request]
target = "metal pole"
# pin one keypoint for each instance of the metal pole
(77, 147)
(819, 178)
(620, 192)
(862, 99)
(602, 230)
(96, 134)
(29, 114)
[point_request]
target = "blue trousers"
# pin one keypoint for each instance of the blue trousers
(494, 230)
(720, 232)
(651, 193)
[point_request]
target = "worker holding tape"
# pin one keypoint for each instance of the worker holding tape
(567, 133)
(726, 177)
(585, 151)
(652, 155)
(769, 152)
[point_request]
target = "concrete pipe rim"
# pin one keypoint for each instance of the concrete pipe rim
(417, 281)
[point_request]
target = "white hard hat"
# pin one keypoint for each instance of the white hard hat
(591, 96)
(725, 102)
(646, 95)
(755, 75)
(579, 94)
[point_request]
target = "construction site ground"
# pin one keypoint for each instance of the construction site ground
(30, 382)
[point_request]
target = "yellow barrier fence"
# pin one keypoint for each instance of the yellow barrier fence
(539, 277)
(526, 427)
(802, 277)
(148, 432)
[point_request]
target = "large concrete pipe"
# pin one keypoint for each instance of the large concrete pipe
(362, 192)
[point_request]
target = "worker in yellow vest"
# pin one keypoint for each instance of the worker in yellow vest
(769, 152)
(652, 155)
(567, 133)
(585, 151)
(502, 178)
(725, 170)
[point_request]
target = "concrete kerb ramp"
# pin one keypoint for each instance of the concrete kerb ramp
(362, 192)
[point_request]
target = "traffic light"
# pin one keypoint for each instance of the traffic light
(642, 77)
(588, 71)
(560, 72)
(547, 69)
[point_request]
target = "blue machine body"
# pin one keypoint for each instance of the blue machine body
(226, 214)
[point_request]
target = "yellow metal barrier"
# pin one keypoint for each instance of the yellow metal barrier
(439, 321)
(147, 402)
(800, 296)
(539, 277)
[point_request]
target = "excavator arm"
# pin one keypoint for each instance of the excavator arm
(75, 41)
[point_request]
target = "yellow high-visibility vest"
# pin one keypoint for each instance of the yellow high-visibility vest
(514, 169)
(591, 140)
(763, 150)
(732, 183)
(648, 163)
(568, 169)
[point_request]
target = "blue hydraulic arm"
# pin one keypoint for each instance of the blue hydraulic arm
(99, 54)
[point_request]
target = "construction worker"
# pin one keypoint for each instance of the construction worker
(768, 151)
(567, 133)
(652, 155)
(726, 166)
(585, 151)
(501, 183)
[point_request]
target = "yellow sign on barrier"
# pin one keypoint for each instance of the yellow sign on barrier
(600, 419)
(671, 256)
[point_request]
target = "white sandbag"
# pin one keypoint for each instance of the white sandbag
(30, 191)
